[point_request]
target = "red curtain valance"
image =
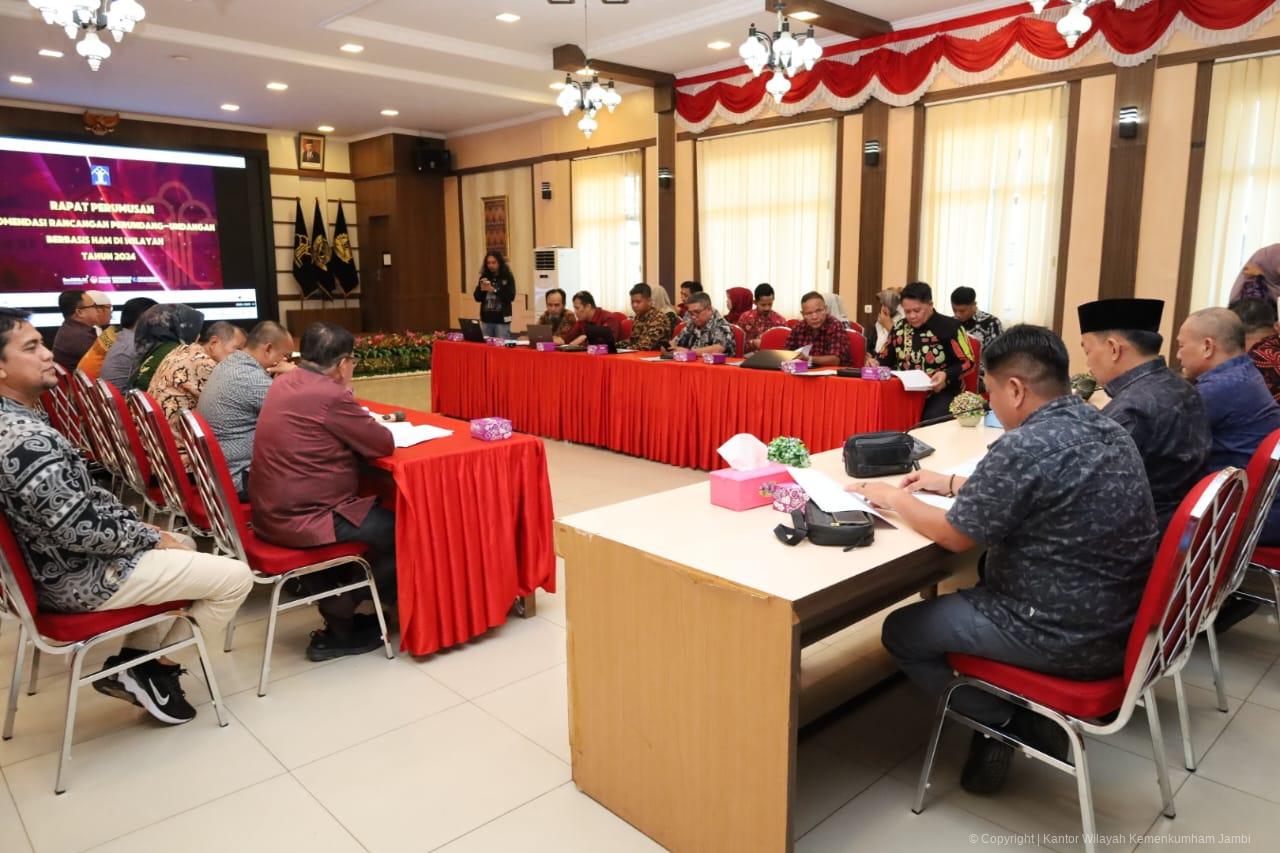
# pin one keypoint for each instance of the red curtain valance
(900, 67)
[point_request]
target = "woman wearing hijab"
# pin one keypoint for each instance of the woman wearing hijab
(739, 303)
(835, 307)
(662, 302)
(160, 330)
(1260, 278)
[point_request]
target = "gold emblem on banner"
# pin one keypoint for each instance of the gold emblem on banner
(342, 248)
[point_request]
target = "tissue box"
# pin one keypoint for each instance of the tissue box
(454, 336)
(496, 342)
(788, 497)
(597, 349)
(713, 357)
(742, 490)
(684, 356)
(491, 429)
(797, 366)
(545, 346)
(878, 374)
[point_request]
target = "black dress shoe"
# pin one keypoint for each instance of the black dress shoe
(1039, 732)
(987, 767)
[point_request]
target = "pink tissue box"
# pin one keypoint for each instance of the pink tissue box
(684, 356)
(797, 366)
(877, 373)
(496, 342)
(742, 490)
(545, 346)
(491, 429)
(454, 336)
(788, 497)
(597, 349)
(713, 357)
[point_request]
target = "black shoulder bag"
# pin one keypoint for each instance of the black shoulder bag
(848, 530)
(879, 454)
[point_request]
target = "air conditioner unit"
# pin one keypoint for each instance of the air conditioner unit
(554, 267)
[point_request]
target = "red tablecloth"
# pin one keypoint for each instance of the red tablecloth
(473, 531)
(665, 411)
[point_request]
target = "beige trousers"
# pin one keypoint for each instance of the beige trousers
(216, 585)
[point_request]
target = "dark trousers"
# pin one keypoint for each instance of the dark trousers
(939, 405)
(921, 636)
(378, 530)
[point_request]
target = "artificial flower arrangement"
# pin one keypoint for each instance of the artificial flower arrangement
(381, 353)
(1083, 385)
(968, 408)
(789, 451)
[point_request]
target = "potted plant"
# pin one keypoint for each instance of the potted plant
(1083, 385)
(968, 408)
(789, 451)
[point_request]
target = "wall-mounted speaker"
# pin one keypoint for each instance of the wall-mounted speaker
(432, 159)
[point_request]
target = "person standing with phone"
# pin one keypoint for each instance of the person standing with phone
(495, 292)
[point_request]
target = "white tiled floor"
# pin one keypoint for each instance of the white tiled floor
(468, 750)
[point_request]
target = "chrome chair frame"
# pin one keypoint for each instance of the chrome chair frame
(65, 409)
(142, 410)
(85, 396)
(1162, 653)
(226, 536)
(130, 464)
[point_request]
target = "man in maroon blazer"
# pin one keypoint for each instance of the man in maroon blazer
(311, 438)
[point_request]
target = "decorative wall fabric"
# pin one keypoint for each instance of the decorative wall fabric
(1240, 197)
(607, 226)
(766, 208)
(993, 172)
(898, 68)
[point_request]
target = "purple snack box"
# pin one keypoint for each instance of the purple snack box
(597, 349)
(454, 336)
(878, 374)
(797, 366)
(684, 356)
(545, 346)
(495, 342)
(713, 357)
(491, 429)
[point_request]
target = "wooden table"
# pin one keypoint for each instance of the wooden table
(685, 626)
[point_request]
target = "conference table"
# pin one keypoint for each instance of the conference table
(685, 649)
(473, 530)
(670, 412)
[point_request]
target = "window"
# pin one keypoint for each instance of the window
(1240, 197)
(767, 212)
(992, 201)
(608, 229)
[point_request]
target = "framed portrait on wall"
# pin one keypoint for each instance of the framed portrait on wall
(311, 151)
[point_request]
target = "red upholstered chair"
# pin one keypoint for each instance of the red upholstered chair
(89, 403)
(1263, 477)
(627, 325)
(857, 327)
(77, 634)
(161, 450)
(857, 347)
(271, 564)
(1194, 547)
(775, 338)
(971, 378)
(64, 413)
(792, 323)
(739, 339)
(130, 453)
(679, 329)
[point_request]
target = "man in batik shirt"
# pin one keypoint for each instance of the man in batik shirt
(977, 323)
(652, 327)
(706, 331)
(1260, 339)
(560, 320)
(825, 335)
(180, 379)
(926, 340)
(761, 319)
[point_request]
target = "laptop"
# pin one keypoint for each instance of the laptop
(540, 334)
(770, 359)
(471, 331)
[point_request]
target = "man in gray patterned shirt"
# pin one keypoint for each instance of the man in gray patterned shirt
(232, 398)
(706, 331)
(1062, 504)
(85, 550)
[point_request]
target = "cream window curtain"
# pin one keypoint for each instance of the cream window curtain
(992, 201)
(767, 211)
(1240, 196)
(607, 226)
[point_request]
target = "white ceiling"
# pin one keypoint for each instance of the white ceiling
(446, 66)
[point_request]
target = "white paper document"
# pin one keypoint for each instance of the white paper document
(914, 380)
(407, 434)
(829, 496)
(964, 469)
(940, 501)
(815, 373)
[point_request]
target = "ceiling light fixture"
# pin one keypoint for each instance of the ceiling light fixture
(804, 15)
(1075, 23)
(51, 54)
(558, 85)
(92, 17)
(231, 108)
(782, 53)
(325, 128)
(20, 79)
(351, 47)
(391, 113)
(508, 18)
(718, 45)
(587, 96)
(277, 87)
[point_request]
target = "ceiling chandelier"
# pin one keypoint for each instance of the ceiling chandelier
(1075, 23)
(588, 98)
(92, 17)
(782, 53)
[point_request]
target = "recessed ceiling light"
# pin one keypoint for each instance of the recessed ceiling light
(391, 113)
(508, 18)
(559, 84)
(804, 16)
(231, 108)
(20, 79)
(51, 54)
(351, 48)
(718, 45)
(179, 57)
(325, 128)
(277, 87)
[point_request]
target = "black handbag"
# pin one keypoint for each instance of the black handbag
(879, 454)
(848, 530)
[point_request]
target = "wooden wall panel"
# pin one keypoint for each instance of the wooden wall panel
(1125, 178)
